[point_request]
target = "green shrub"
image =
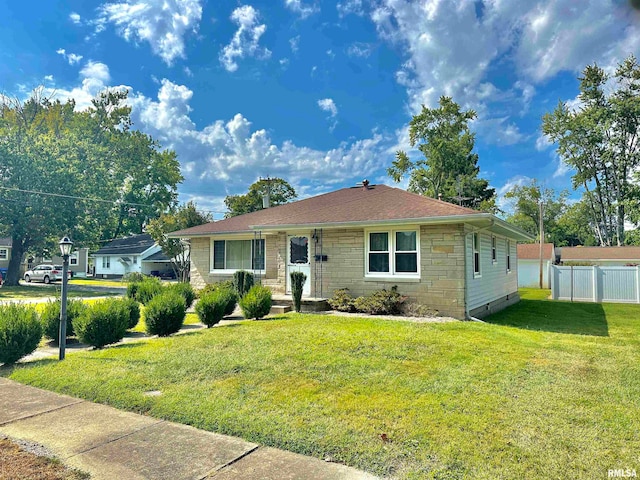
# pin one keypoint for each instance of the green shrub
(132, 290)
(165, 314)
(342, 301)
(50, 317)
(231, 300)
(185, 290)
(256, 303)
(133, 311)
(20, 332)
(380, 302)
(103, 323)
(147, 289)
(212, 287)
(133, 277)
(210, 307)
(242, 282)
(297, 284)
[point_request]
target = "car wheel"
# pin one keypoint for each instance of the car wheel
(46, 280)
(27, 278)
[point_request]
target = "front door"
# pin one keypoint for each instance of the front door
(298, 260)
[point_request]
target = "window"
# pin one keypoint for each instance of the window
(508, 256)
(392, 253)
(238, 254)
(73, 260)
(106, 262)
(494, 256)
(476, 254)
(4, 253)
(135, 260)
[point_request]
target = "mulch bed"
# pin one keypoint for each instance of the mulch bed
(16, 462)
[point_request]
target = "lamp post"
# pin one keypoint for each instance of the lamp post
(65, 250)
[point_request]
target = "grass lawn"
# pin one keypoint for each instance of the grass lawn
(546, 390)
(22, 292)
(97, 282)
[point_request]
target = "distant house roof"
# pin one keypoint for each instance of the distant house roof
(135, 244)
(631, 253)
(356, 205)
(5, 241)
(531, 251)
(157, 257)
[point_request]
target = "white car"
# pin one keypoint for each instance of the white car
(45, 273)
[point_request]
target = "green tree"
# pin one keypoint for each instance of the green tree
(179, 218)
(525, 200)
(600, 140)
(449, 168)
(70, 172)
(279, 190)
(576, 225)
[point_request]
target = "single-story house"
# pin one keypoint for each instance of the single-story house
(529, 264)
(5, 254)
(458, 261)
(135, 253)
(603, 256)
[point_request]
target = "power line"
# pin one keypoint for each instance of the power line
(74, 197)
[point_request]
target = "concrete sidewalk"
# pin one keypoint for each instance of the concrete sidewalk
(111, 444)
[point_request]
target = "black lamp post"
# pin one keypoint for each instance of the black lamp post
(65, 250)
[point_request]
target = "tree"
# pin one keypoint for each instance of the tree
(184, 216)
(280, 192)
(576, 225)
(600, 140)
(449, 168)
(526, 200)
(69, 172)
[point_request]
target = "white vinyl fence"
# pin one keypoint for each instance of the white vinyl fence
(596, 284)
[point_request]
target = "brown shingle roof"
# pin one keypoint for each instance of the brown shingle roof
(531, 251)
(348, 205)
(600, 253)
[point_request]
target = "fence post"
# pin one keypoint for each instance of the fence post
(594, 270)
(638, 283)
(572, 283)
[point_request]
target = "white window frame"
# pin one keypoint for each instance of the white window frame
(494, 249)
(391, 274)
(231, 271)
(508, 256)
(134, 259)
(73, 260)
(106, 262)
(4, 253)
(476, 236)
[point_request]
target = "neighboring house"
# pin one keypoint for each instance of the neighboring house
(529, 264)
(603, 256)
(136, 253)
(453, 259)
(5, 255)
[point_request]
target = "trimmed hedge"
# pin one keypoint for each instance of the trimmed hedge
(256, 303)
(242, 282)
(20, 332)
(50, 317)
(381, 302)
(297, 284)
(103, 322)
(342, 301)
(165, 314)
(132, 277)
(133, 311)
(185, 290)
(144, 291)
(210, 307)
(212, 287)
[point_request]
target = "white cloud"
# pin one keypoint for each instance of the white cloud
(188, 72)
(75, 18)
(48, 78)
(295, 43)
(245, 42)
(302, 10)
(504, 204)
(561, 167)
(72, 58)
(161, 23)
(350, 7)
(359, 49)
(329, 106)
(542, 142)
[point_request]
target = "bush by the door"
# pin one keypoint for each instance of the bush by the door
(256, 303)
(297, 285)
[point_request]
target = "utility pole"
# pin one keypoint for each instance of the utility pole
(541, 222)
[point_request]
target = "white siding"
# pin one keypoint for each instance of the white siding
(494, 281)
(116, 267)
(529, 273)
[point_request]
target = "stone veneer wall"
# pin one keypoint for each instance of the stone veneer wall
(442, 264)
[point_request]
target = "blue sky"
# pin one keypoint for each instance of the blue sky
(319, 93)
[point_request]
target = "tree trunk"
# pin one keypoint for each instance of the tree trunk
(13, 273)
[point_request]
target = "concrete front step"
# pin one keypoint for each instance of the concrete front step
(279, 309)
(308, 304)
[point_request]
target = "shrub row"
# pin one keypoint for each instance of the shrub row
(380, 302)
(144, 291)
(20, 332)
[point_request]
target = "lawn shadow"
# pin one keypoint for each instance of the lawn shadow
(555, 316)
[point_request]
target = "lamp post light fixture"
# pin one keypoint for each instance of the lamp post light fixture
(65, 250)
